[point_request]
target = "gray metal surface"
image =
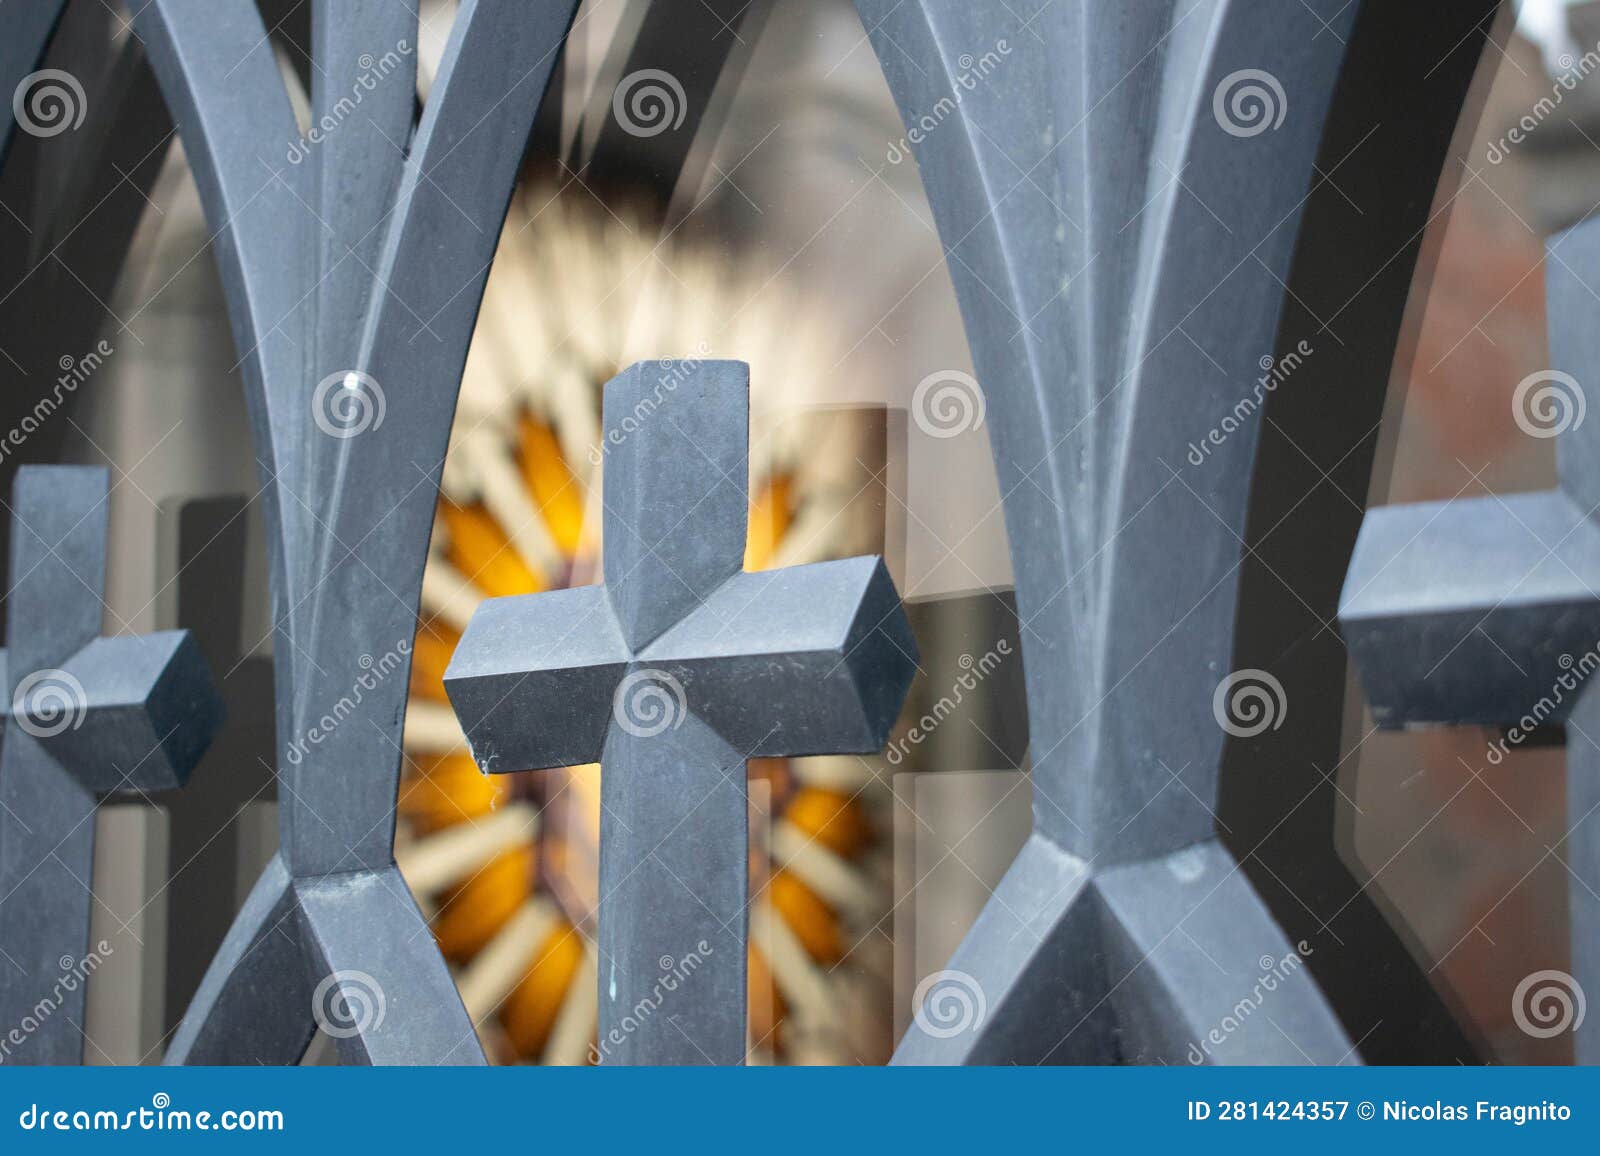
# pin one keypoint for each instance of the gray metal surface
(1120, 285)
(89, 718)
(1484, 611)
(671, 675)
(209, 864)
(353, 278)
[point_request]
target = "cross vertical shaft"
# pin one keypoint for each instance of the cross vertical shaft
(89, 718)
(673, 880)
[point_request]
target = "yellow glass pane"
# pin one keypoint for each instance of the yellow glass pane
(771, 511)
(430, 654)
(555, 491)
(766, 1005)
(448, 789)
(834, 820)
(482, 552)
(480, 907)
(807, 916)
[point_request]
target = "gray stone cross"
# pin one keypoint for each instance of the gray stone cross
(90, 718)
(671, 675)
(1486, 612)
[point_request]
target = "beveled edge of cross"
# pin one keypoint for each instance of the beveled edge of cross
(88, 717)
(676, 606)
(1485, 611)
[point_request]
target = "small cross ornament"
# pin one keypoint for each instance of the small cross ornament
(672, 674)
(90, 718)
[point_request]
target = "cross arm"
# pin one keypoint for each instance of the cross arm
(812, 659)
(127, 714)
(1473, 611)
(533, 678)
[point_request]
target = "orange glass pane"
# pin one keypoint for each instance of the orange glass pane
(771, 512)
(449, 789)
(807, 916)
(480, 907)
(530, 1010)
(479, 548)
(430, 654)
(766, 1005)
(555, 491)
(835, 820)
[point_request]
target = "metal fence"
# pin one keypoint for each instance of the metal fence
(1142, 206)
